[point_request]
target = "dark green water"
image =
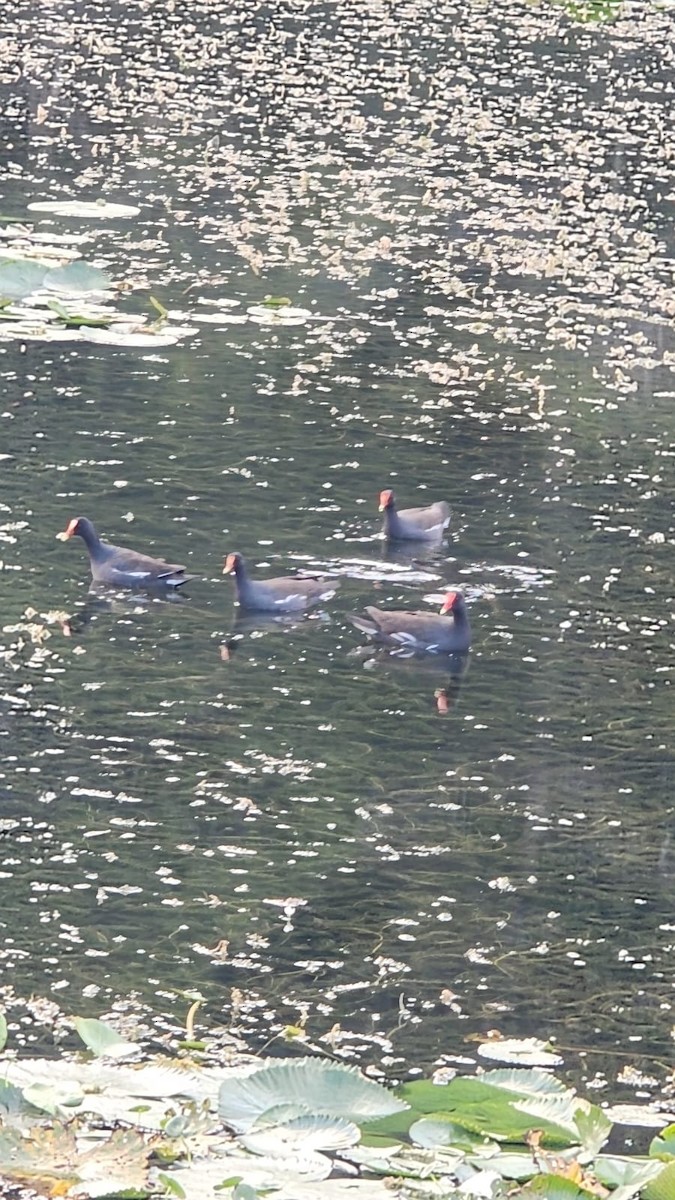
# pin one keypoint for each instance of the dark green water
(480, 214)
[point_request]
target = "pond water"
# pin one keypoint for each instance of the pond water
(476, 206)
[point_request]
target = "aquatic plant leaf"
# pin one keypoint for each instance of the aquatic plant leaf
(508, 1165)
(621, 1172)
(543, 1096)
(530, 1052)
(101, 1038)
(662, 1187)
(50, 1098)
(118, 1086)
(434, 1132)
(171, 1185)
(244, 1191)
(300, 1134)
(12, 1101)
(300, 1163)
(19, 277)
(533, 1083)
(84, 208)
(262, 314)
(118, 335)
(587, 11)
(276, 302)
(159, 307)
(76, 320)
(492, 1111)
(77, 277)
(663, 1146)
(209, 1178)
(556, 1187)
(648, 1116)
(485, 1184)
(3, 1025)
(319, 1086)
(594, 1126)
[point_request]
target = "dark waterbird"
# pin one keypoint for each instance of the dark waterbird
(118, 567)
(287, 594)
(413, 524)
(447, 632)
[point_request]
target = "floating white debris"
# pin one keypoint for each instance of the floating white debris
(646, 1115)
(285, 314)
(528, 1052)
(84, 208)
(132, 336)
(222, 318)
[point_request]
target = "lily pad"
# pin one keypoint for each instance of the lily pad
(317, 1086)
(286, 314)
(529, 1052)
(615, 1171)
(131, 337)
(51, 1097)
(301, 1135)
(102, 1039)
(434, 1132)
(19, 277)
(12, 1101)
(77, 277)
(84, 208)
(663, 1146)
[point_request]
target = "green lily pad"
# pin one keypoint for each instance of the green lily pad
(663, 1146)
(498, 1112)
(663, 1187)
(556, 1187)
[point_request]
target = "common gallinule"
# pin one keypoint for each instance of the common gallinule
(288, 594)
(413, 524)
(117, 567)
(446, 633)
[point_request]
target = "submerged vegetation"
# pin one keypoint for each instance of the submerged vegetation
(186, 1125)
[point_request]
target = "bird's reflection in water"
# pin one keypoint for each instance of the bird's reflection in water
(449, 670)
(102, 599)
(423, 556)
(447, 697)
(253, 625)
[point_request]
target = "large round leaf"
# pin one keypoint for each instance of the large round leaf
(77, 278)
(19, 277)
(302, 1135)
(316, 1085)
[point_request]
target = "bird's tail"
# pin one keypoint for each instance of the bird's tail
(364, 624)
